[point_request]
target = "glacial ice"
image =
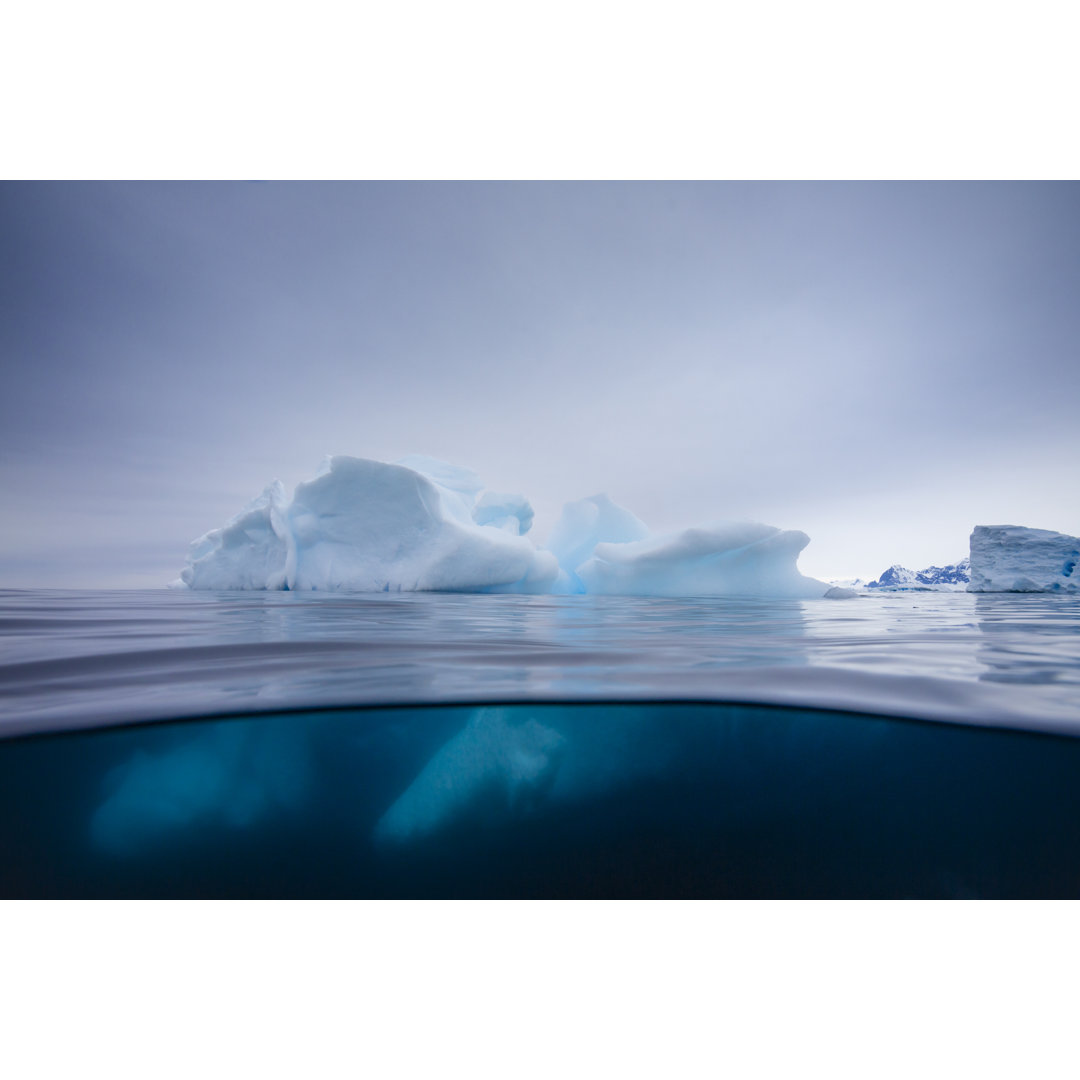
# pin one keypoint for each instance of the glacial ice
(727, 560)
(248, 552)
(493, 768)
(233, 775)
(951, 578)
(425, 525)
(366, 526)
(584, 524)
(1011, 558)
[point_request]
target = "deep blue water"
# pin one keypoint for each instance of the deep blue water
(178, 744)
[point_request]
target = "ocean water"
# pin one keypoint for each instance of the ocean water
(193, 744)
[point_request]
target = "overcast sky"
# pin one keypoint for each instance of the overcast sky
(881, 365)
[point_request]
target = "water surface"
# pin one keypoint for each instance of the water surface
(76, 658)
(277, 744)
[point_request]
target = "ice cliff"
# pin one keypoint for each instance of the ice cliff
(1010, 558)
(425, 525)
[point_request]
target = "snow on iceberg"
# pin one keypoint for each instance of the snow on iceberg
(1011, 558)
(425, 525)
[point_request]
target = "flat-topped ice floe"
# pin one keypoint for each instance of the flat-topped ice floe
(1011, 558)
(422, 525)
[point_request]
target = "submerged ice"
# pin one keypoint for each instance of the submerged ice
(424, 525)
(494, 768)
(230, 775)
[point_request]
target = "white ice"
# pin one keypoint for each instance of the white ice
(1011, 558)
(425, 525)
(727, 560)
(366, 526)
(247, 552)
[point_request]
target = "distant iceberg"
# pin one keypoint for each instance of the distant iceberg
(422, 525)
(1011, 558)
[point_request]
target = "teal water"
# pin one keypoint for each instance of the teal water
(672, 800)
(161, 744)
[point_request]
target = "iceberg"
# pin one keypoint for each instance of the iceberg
(588, 522)
(1011, 558)
(425, 525)
(513, 513)
(492, 770)
(368, 526)
(248, 552)
(727, 560)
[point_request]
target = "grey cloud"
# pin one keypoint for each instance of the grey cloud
(698, 350)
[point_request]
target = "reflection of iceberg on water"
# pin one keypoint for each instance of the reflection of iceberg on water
(233, 774)
(494, 768)
(425, 526)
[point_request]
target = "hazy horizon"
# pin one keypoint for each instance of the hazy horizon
(882, 365)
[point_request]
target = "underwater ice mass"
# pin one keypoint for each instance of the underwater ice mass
(422, 525)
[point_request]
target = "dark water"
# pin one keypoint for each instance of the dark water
(514, 746)
(599, 800)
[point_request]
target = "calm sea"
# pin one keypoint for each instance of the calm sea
(278, 744)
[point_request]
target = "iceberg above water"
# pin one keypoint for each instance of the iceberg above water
(366, 526)
(248, 552)
(422, 525)
(1011, 558)
(731, 560)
